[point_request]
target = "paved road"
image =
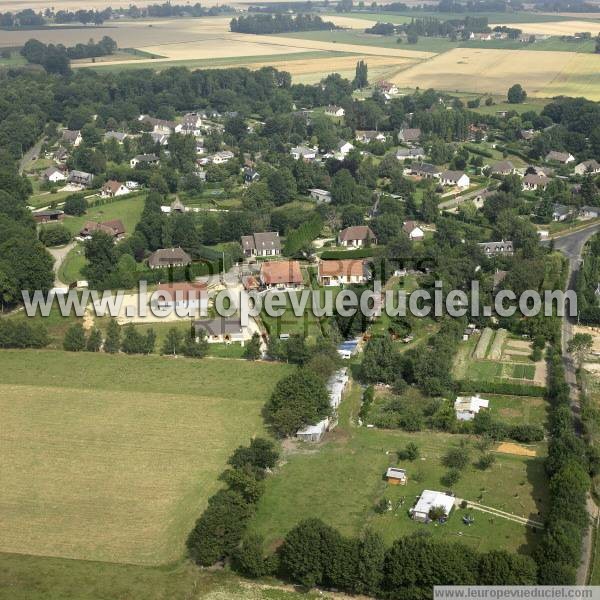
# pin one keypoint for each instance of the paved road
(59, 255)
(28, 156)
(571, 245)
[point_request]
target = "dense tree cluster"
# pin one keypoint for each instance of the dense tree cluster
(278, 23)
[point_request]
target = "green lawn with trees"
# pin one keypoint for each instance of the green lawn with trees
(343, 482)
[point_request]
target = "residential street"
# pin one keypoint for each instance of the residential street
(571, 245)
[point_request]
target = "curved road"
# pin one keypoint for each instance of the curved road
(571, 245)
(59, 254)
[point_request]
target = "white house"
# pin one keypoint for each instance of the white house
(560, 212)
(466, 407)
(414, 232)
(356, 236)
(344, 147)
(335, 111)
(113, 189)
(54, 175)
(321, 196)
(587, 166)
(369, 136)
(118, 136)
(340, 272)
(416, 153)
(589, 212)
(303, 152)
(431, 499)
(222, 157)
(181, 296)
(143, 159)
(72, 137)
(455, 178)
(223, 330)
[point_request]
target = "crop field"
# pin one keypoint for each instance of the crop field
(112, 458)
(559, 28)
(343, 481)
(544, 74)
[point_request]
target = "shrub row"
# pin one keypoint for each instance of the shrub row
(343, 254)
(219, 530)
(18, 333)
(559, 553)
(507, 388)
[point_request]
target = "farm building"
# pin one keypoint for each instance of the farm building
(396, 476)
(466, 407)
(430, 499)
(48, 216)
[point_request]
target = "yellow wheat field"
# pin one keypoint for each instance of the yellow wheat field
(557, 28)
(543, 74)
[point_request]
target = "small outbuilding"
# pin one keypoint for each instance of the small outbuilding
(396, 476)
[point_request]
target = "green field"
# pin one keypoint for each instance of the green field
(307, 324)
(493, 17)
(15, 60)
(343, 480)
(206, 63)
(112, 458)
(128, 210)
(40, 578)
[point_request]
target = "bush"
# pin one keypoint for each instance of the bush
(74, 340)
(411, 452)
(250, 559)
(75, 205)
(451, 478)
(486, 461)
(55, 235)
(456, 458)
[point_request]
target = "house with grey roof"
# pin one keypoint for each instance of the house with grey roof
(416, 153)
(504, 247)
(561, 157)
(266, 243)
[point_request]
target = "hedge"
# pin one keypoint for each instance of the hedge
(507, 388)
(343, 254)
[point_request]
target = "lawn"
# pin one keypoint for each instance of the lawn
(70, 270)
(307, 324)
(112, 458)
(42, 578)
(341, 480)
(128, 210)
(518, 409)
(15, 60)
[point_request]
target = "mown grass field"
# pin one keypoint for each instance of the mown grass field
(41, 578)
(128, 209)
(112, 458)
(341, 480)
